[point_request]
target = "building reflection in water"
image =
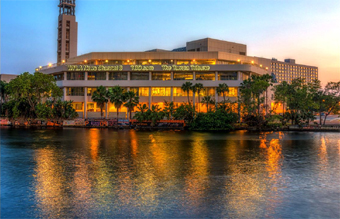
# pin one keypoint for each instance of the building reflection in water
(50, 186)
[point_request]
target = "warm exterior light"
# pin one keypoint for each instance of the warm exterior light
(63, 61)
(149, 60)
(238, 60)
(40, 67)
(172, 60)
(261, 66)
(128, 60)
(106, 61)
(252, 62)
(194, 60)
(49, 64)
(267, 68)
(36, 69)
(85, 61)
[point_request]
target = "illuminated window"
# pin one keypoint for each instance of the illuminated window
(96, 76)
(160, 91)
(208, 76)
(140, 91)
(59, 77)
(178, 92)
(183, 62)
(208, 91)
(166, 76)
(183, 76)
(232, 92)
(90, 91)
(77, 106)
(118, 76)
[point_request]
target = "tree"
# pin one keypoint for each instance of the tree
(208, 100)
(169, 109)
(100, 97)
(186, 87)
(3, 95)
(116, 96)
(222, 89)
(141, 114)
(198, 88)
(33, 88)
(281, 93)
(331, 99)
(132, 100)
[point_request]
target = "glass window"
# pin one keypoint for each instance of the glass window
(141, 91)
(227, 76)
(183, 62)
(183, 76)
(208, 91)
(90, 107)
(75, 91)
(209, 76)
(232, 92)
(96, 76)
(178, 92)
(59, 77)
(160, 91)
(90, 91)
(166, 76)
(75, 75)
(139, 75)
(77, 106)
(118, 76)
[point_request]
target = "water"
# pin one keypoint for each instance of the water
(94, 173)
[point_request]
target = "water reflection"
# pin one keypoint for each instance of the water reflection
(95, 173)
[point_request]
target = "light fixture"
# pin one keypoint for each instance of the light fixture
(106, 61)
(49, 64)
(40, 67)
(63, 61)
(194, 60)
(267, 68)
(261, 66)
(149, 60)
(128, 60)
(238, 60)
(85, 61)
(252, 62)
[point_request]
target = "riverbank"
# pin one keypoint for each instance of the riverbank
(147, 125)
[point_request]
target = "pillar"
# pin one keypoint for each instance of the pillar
(85, 102)
(172, 75)
(107, 76)
(65, 76)
(216, 76)
(172, 94)
(150, 76)
(65, 91)
(149, 97)
(239, 76)
(128, 76)
(85, 76)
(194, 76)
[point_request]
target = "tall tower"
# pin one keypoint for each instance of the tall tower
(67, 31)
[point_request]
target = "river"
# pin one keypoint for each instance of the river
(103, 173)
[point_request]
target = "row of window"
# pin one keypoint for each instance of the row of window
(150, 62)
(155, 91)
(163, 76)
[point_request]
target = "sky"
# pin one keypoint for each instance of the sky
(305, 30)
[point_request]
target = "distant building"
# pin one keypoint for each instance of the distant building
(7, 77)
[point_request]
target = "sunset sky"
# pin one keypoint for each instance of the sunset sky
(307, 31)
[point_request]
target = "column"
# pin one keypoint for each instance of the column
(239, 76)
(65, 91)
(65, 76)
(107, 107)
(172, 94)
(107, 76)
(216, 97)
(172, 75)
(150, 76)
(149, 97)
(85, 102)
(216, 76)
(194, 76)
(128, 76)
(85, 76)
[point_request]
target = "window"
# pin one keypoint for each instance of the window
(141, 91)
(75, 75)
(208, 76)
(178, 92)
(232, 92)
(75, 91)
(139, 75)
(96, 76)
(90, 91)
(160, 91)
(183, 76)
(59, 77)
(207, 92)
(166, 76)
(227, 76)
(118, 76)
(77, 106)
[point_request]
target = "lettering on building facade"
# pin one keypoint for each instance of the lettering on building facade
(138, 68)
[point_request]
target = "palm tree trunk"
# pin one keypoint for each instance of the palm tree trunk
(188, 97)
(117, 116)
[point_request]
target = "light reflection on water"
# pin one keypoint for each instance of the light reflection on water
(104, 173)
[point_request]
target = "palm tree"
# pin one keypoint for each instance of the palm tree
(117, 97)
(208, 100)
(186, 87)
(100, 97)
(169, 109)
(222, 89)
(132, 100)
(198, 88)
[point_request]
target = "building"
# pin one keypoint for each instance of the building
(7, 77)
(156, 75)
